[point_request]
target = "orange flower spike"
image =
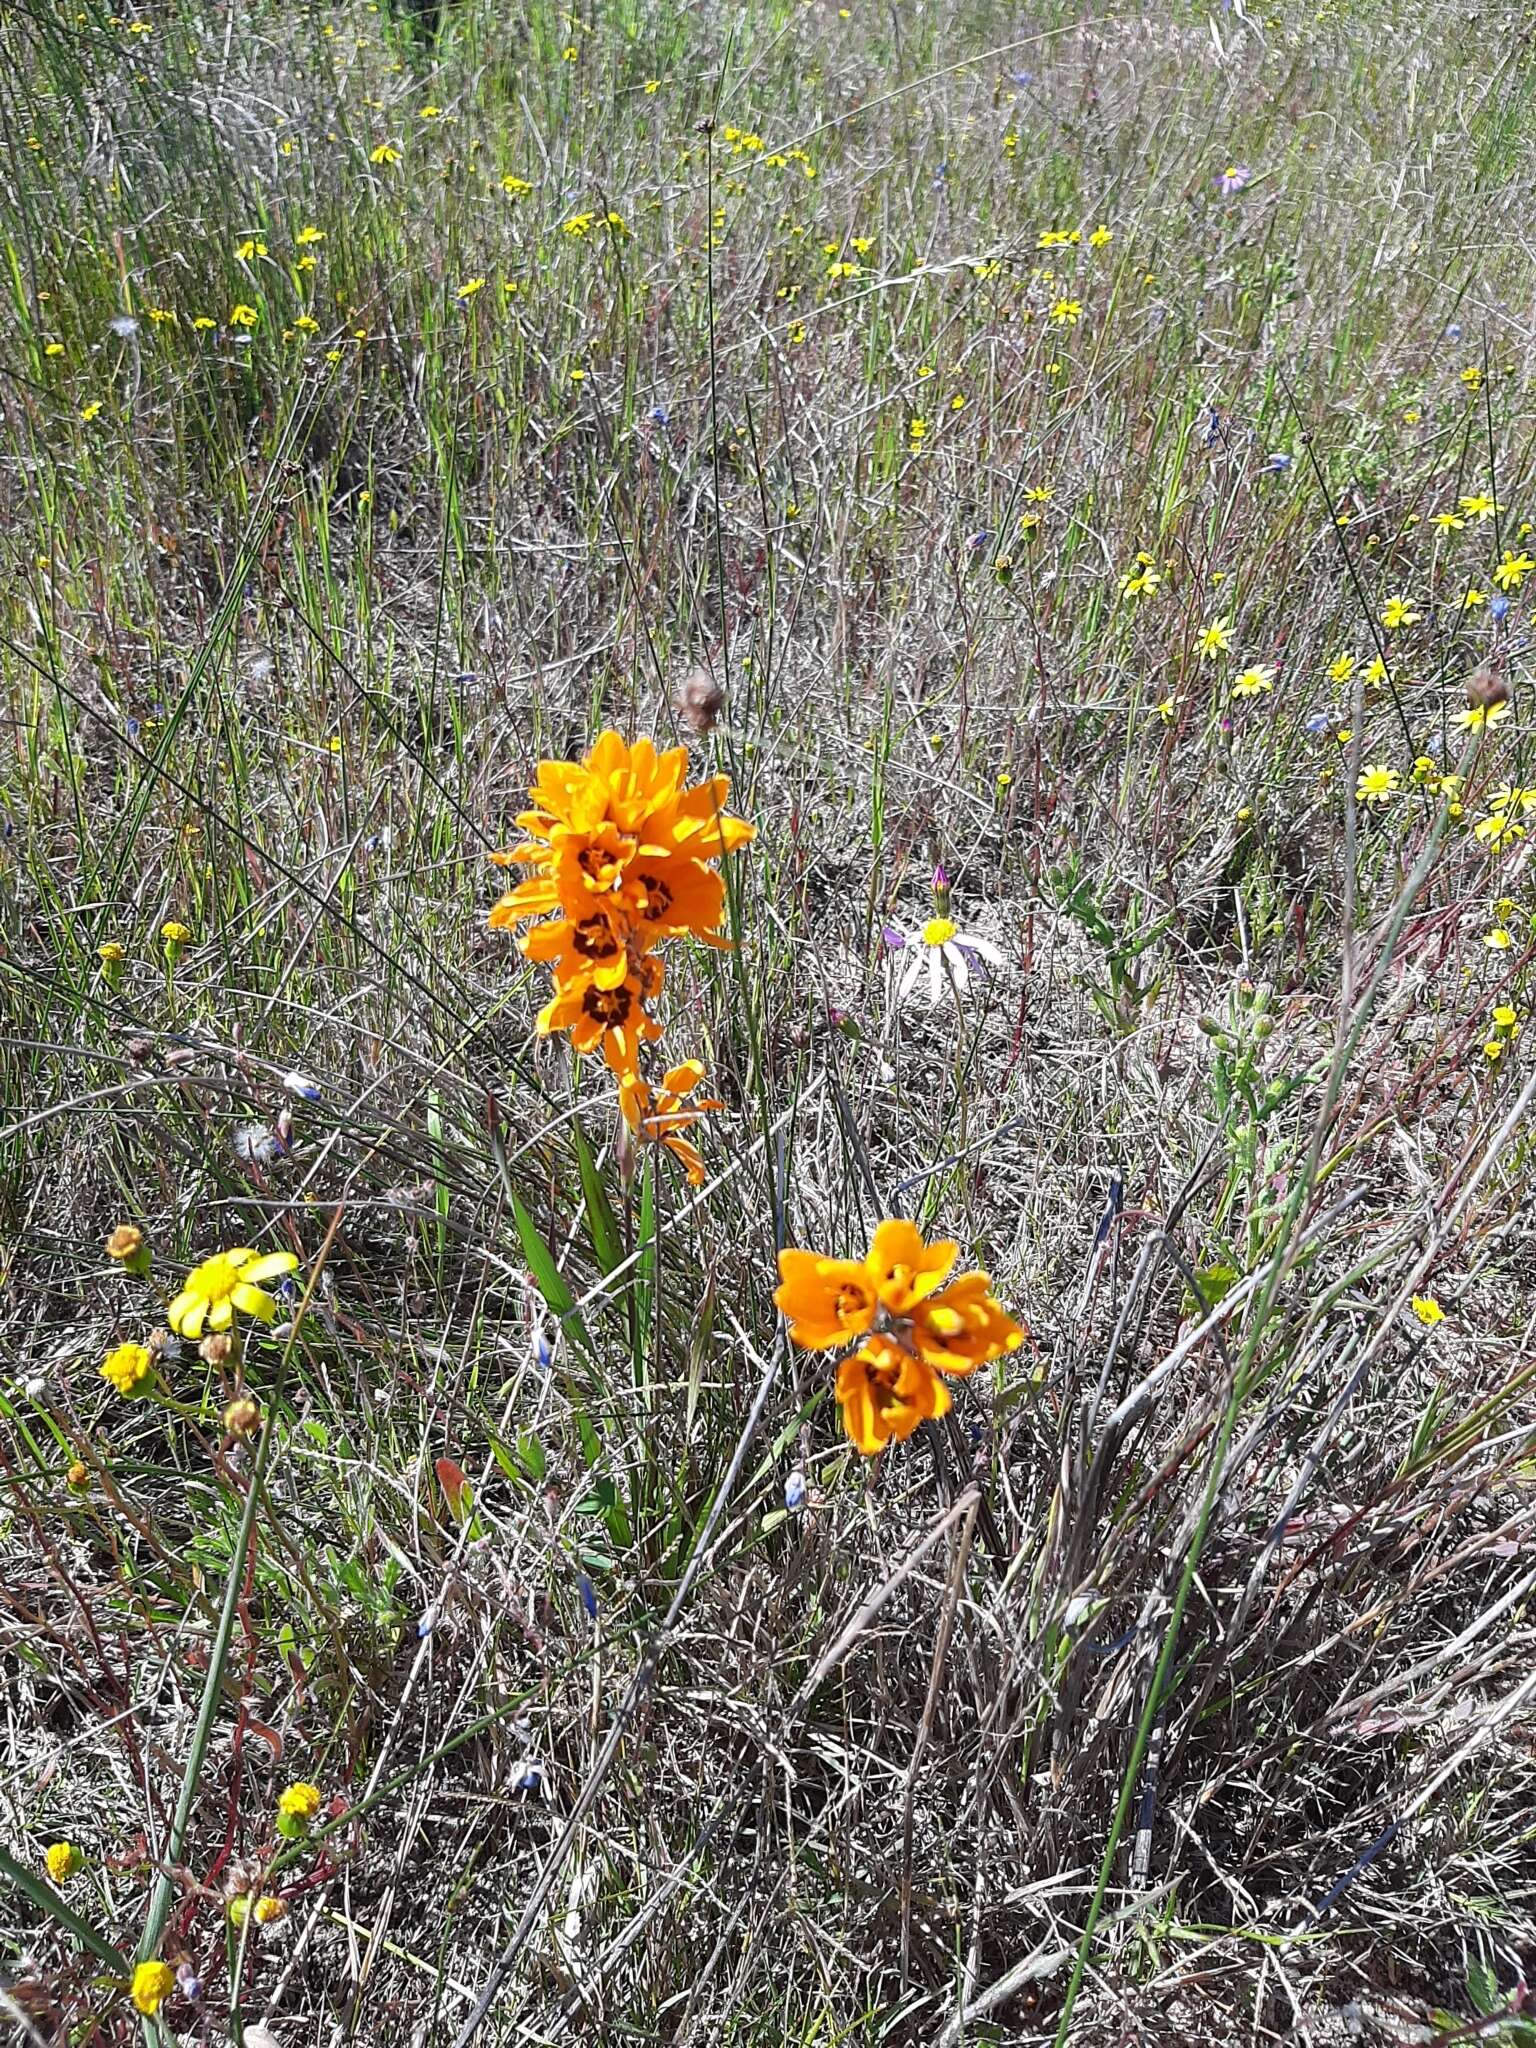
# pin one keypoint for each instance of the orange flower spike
(884, 1393)
(914, 1328)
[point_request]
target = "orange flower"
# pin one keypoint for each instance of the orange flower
(663, 1116)
(614, 1020)
(595, 947)
(619, 852)
(906, 1270)
(829, 1302)
(964, 1326)
(914, 1326)
(885, 1392)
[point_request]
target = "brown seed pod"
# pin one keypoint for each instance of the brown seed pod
(242, 1418)
(699, 701)
(1485, 690)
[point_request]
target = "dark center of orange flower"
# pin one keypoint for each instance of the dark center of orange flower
(881, 1381)
(852, 1303)
(657, 897)
(602, 861)
(609, 1007)
(593, 939)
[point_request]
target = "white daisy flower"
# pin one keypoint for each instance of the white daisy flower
(257, 1145)
(949, 956)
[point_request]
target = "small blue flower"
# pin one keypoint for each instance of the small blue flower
(1278, 462)
(1318, 723)
(588, 1597)
(979, 540)
(543, 1350)
(531, 1780)
(794, 1491)
(1498, 606)
(188, 1983)
(1453, 331)
(302, 1086)
(133, 728)
(661, 416)
(426, 1621)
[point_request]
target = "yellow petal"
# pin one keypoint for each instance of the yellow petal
(252, 1301)
(270, 1267)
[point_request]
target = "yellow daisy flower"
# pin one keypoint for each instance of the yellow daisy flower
(228, 1282)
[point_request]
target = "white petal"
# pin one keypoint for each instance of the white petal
(955, 961)
(935, 974)
(993, 955)
(906, 981)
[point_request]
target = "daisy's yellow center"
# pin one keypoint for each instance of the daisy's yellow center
(937, 931)
(215, 1279)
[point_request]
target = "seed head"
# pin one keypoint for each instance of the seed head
(699, 701)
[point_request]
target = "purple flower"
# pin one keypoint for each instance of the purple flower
(1233, 179)
(893, 935)
(1498, 606)
(588, 1597)
(979, 540)
(1318, 724)
(794, 1491)
(1278, 462)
